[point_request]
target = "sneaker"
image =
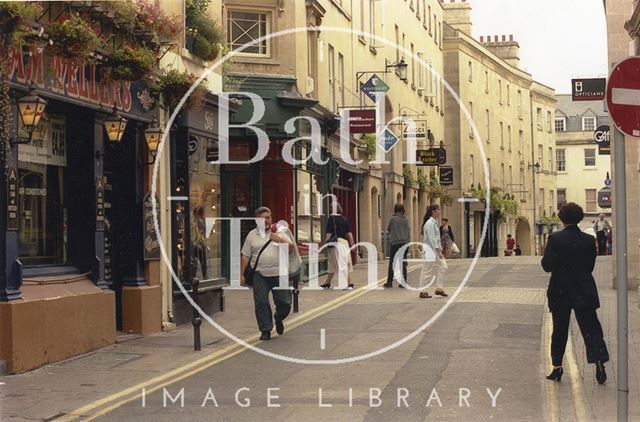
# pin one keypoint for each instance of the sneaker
(266, 335)
(440, 292)
(425, 295)
(279, 327)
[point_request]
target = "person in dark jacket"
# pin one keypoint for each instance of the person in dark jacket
(399, 235)
(570, 256)
(446, 237)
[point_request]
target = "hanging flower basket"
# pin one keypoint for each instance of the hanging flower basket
(74, 38)
(131, 64)
(16, 19)
(173, 85)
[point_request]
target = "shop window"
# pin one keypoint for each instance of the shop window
(42, 212)
(204, 195)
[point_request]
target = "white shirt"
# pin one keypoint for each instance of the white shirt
(269, 264)
(431, 235)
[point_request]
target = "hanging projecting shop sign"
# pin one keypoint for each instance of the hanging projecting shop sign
(602, 136)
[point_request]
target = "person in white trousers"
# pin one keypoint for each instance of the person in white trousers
(434, 261)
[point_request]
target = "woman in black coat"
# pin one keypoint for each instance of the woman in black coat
(570, 256)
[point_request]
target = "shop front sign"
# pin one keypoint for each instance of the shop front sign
(446, 176)
(70, 80)
(602, 136)
(431, 157)
(362, 121)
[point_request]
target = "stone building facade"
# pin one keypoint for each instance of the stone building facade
(513, 118)
(581, 168)
(622, 33)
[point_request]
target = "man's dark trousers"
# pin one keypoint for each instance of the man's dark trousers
(394, 249)
(282, 299)
(602, 242)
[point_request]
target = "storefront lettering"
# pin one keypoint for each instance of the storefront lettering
(12, 196)
(81, 81)
(33, 191)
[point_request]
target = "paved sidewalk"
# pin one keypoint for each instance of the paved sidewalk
(55, 389)
(602, 399)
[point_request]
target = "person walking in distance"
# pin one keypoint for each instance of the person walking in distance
(399, 235)
(434, 260)
(511, 246)
(339, 259)
(265, 244)
(570, 256)
(602, 229)
(446, 237)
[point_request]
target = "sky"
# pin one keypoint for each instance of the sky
(559, 39)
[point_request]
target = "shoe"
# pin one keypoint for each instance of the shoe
(387, 285)
(401, 286)
(601, 374)
(266, 335)
(425, 295)
(279, 327)
(556, 374)
(440, 292)
(326, 285)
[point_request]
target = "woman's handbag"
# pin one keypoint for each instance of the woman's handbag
(249, 272)
(454, 248)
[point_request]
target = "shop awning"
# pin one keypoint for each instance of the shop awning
(349, 167)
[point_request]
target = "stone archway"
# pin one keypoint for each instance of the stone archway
(523, 236)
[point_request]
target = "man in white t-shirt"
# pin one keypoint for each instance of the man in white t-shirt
(602, 229)
(267, 275)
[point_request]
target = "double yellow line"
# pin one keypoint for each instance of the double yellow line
(107, 404)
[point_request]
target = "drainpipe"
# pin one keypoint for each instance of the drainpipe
(533, 151)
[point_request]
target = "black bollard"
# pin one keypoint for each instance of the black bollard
(196, 321)
(296, 292)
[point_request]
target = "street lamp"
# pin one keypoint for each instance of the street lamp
(31, 107)
(152, 135)
(115, 125)
(401, 66)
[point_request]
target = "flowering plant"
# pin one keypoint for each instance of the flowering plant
(174, 84)
(149, 16)
(130, 63)
(204, 35)
(16, 18)
(72, 37)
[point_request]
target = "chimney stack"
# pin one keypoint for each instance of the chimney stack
(457, 14)
(507, 49)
